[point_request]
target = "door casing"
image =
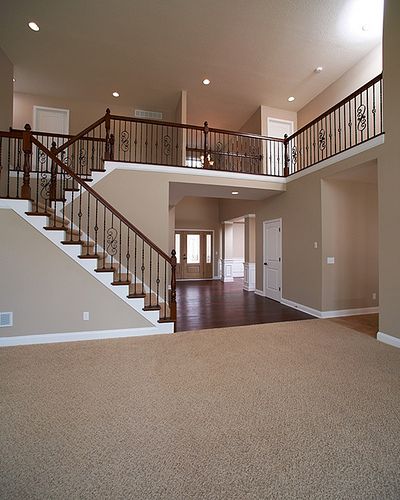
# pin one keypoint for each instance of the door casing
(277, 295)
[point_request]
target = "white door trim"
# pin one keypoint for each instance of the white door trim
(46, 108)
(263, 254)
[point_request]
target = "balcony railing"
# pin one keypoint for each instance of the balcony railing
(353, 121)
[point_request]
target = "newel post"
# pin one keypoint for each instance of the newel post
(27, 149)
(172, 304)
(205, 151)
(53, 175)
(286, 167)
(108, 127)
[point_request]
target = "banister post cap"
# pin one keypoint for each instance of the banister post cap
(108, 111)
(173, 253)
(27, 127)
(54, 144)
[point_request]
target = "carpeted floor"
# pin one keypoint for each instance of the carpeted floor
(305, 409)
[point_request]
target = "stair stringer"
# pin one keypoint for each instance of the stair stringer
(72, 251)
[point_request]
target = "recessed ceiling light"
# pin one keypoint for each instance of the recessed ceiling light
(365, 27)
(115, 94)
(318, 69)
(14, 80)
(206, 81)
(235, 192)
(33, 26)
(291, 98)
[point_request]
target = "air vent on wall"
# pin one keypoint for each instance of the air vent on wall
(6, 319)
(148, 115)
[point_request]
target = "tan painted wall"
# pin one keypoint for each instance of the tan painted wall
(300, 208)
(143, 198)
(389, 179)
(39, 285)
(369, 67)
(253, 124)
(200, 213)
(250, 239)
(238, 241)
(6, 91)
(350, 235)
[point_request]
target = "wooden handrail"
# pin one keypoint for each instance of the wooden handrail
(337, 106)
(98, 197)
(12, 134)
(193, 127)
(60, 136)
(81, 134)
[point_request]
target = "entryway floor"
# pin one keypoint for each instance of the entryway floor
(213, 304)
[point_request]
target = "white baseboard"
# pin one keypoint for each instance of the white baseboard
(329, 314)
(388, 339)
(301, 307)
(259, 292)
(349, 312)
(52, 338)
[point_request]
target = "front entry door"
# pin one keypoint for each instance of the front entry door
(272, 259)
(193, 254)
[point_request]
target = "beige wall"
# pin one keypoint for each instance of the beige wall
(389, 179)
(200, 213)
(250, 239)
(281, 114)
(39, 285)
(238, 241)
(253, 124)
(143, 198)
(350, 235)
(369, 67)
(6, 91)
(181, 109)
(258, 122)
(300, 208)
(82, 113)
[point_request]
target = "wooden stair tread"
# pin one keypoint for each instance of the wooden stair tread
(107, 269)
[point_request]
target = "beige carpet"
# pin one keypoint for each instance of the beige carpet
(307, 409)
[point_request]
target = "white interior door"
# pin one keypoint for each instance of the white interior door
(273, 259)
(278, 128)
(53, 120)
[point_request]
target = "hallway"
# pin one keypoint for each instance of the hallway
(214, 304)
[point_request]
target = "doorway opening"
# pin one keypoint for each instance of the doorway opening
(194, 254)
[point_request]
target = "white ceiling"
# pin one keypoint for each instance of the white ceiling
(254, 51)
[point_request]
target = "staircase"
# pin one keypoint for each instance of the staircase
(60, 203)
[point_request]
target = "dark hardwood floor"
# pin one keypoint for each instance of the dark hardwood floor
(213, 304)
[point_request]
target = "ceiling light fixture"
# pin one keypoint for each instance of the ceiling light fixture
(291, 98)
(33, 26)
(235, 192)
(14, 79)
(365, 27)
(318, 69)
(206, 81)
(115, 94)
